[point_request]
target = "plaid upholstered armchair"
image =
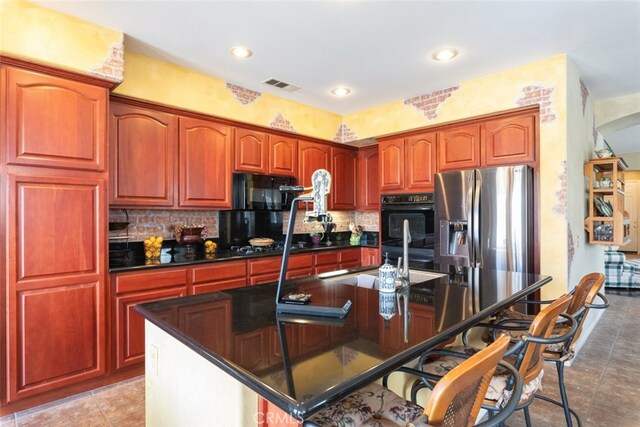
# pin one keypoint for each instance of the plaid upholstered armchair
(620, 272)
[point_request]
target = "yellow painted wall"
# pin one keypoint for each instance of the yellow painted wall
(169, 84)
(31, 32)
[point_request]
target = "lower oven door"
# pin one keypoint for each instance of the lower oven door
(421, 228)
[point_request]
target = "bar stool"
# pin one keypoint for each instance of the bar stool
(455, 400)
(583, 299)
(526, 355)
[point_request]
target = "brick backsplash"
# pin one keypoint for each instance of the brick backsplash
(157, 222)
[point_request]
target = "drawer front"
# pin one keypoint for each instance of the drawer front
(327, 258)
(350, 255)
(222, 285)
(298, 262)
(219, 271)
(163, 278)
(265, 265)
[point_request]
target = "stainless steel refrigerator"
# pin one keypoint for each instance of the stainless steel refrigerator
(485, 218)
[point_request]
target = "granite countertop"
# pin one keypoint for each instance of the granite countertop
(179, 258)
(350, 352)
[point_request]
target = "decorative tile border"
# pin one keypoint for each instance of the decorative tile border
(280, 122)
(344, 134)
(429, 103)
(243, 95)
(584, 92)
(538, 94)
(112, 68)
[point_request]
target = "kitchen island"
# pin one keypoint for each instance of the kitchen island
(210, 356)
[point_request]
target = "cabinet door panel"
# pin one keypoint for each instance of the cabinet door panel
(251, 349)
(459, 148)
(143, 147)
(420, 151)
(312, 156)
(55, 122)
(344, 179)
(251, 151)
(56, 248)
(422, 325)
(205, 164)
(509, 141)
(391, 165)
(57, 339)
(283, 156)
(129, 337)
(368, 179)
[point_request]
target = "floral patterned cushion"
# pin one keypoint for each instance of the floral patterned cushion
(373, 406)
(497, 387)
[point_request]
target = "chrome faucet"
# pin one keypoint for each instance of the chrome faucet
(403, 273)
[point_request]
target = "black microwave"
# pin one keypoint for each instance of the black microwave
(252, 192)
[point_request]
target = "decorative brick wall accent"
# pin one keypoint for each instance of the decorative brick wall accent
(340, 218)
(112, 68)
(571, 249)
(369, 220)
(158, 222)
(538, 94)
(561, 194)
(279, 122)
(243, 95)
(584, 91)
(428, 103)
(344, 134)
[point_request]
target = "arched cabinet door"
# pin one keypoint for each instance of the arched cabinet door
(459, 148)
(55, 122)
(251, 151)
(391, 169)
(205, 164)
(420, 151)
(509, 141)
(143, 148)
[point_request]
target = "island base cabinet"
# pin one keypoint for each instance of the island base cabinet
(269, 415)
(206, 392)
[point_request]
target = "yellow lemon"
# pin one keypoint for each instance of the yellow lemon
(159, 239)
(152, 239)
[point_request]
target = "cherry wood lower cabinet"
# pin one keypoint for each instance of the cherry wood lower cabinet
(137, 288)
(421, 327)
(336, 260)
(267, 270)
(217, 277)
(269, 415)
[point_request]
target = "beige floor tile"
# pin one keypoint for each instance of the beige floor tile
(121, 399)
(83, 411)
(132, 419)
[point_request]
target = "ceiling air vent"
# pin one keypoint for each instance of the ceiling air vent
(281, 85)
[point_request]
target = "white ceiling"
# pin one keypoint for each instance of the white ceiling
(625, 140)
(380, 49)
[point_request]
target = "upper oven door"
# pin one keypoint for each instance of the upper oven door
(421, 225)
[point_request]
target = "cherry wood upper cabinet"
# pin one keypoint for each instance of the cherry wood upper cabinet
(509, 140)
(251, 151)
(391, 165)
(344, 166)
(55, 298)
(459, 148)
(420, 160)
(144, 146)
(283, 156)
(312, 156)
(368, 179)
(205, 164)
(55, 122)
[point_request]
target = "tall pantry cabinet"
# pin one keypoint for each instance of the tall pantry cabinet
(53, 206)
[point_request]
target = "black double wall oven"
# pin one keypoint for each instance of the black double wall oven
(419, 209)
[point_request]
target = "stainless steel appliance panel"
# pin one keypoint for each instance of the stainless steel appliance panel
(454, 203)
(503, 237)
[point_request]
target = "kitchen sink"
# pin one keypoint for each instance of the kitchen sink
(369, 279)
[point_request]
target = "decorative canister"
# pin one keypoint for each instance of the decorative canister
(387, 275)
(387, 304)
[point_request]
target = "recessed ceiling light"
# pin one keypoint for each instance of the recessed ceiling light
(341, 91)
(445, 54)
(241, 52)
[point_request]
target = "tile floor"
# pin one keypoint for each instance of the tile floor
(601, 384)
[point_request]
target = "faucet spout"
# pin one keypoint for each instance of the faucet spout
(403, 273)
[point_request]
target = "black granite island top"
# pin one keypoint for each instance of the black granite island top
(304, 365)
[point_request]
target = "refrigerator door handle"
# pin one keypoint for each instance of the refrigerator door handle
(470, 224)
(477, 260)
